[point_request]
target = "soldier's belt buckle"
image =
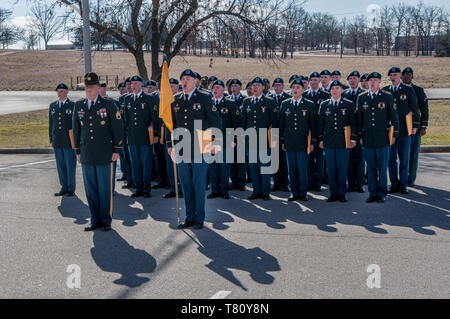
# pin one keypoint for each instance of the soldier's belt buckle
(403, 97)
(381, 105)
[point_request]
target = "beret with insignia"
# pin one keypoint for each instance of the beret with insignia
(128, 79)
(374, 75)
(173, 81)
(248, 85)
(187, 72)
(297, 81)
(212, 78)
(325, 72)
(266, 81)
(219, 82)
(136, 78)
(121, 85)
(336, 83)
(407, 70)
(293, 77)
(394, 70)
(335, 72)
(197, 76)
(236, 81)
(257, 80)
(364, 76)
(277, 80)
(151, 83)
(91, 78)
(62, 86)
(314, 75)
(354, 73)
(303, 78)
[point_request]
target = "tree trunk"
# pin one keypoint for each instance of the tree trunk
(140, 62)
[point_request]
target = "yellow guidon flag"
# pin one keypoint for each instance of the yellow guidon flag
(166, 97)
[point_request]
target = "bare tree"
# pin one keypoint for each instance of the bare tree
(44, 21)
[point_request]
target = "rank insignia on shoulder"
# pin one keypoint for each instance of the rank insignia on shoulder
(118, 116)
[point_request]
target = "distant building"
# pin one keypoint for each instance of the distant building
(60, 45)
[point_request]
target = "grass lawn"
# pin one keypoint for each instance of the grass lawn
(30, 129)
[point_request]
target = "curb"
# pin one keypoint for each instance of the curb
(423, 149)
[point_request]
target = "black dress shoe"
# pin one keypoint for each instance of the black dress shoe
(226, 196)
(70, 194)
(159, 185)
(60, 193)
(137, 194)
(234, 187)
(266, 197)
(381, 199)
(198, 226)
(252, 197)
(411, 184)
(393, 190)
(92, 227)
(343, 199)
(276, 189)
(213, 195)
(404, 191)
(303, 198)
(360, 189)
(185, 225)
(316, 188)
(106, 228)
(372, 199)
(285, 189)
(292, 198)
(147, 195)
(170, 195)
(332, 199)
(242, 189)
(350, 189)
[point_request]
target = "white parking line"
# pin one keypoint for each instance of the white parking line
(222, 294)
(28, 164)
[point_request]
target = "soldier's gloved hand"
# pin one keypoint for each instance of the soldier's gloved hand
(321, 144)
(115, 157)
(79, 158)
(423, 131)
(414, 131)
(283, 148)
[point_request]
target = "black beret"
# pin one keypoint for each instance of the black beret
(62, 86)
(180, 87)
(91, 78)
(151, 83)
(303, 78)
(103, 85)
(136, 78)
(325, 72)
(143, 84)
(187, 72)
(293, 77)
(121, 85)
(394, 70)
(364, 76)
(257, 80)
(278, 80)
(197, 75)
(314, 75)
(266, 81)
(236, 81)
(173, 81)
(407, 70)
(219, 82)
(374, 75)
(248, 85)
(354, 73)
(128, 79)
(335, 72)
(336, 83)
(228, 82)
(212, 78)
(297, 81)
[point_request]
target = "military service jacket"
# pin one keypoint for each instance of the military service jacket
(332, 122)
(423, 104)
(295, 124)
(98, 132)
(405, 101)
(374, 117)
(60, 122)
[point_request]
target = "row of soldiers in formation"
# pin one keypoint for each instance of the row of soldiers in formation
(328, 133)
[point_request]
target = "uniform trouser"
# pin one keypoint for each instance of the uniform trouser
(377, 164)
(356, 167)
(141, 164)
(237, 172)
(414, 157)
(316, 167)
(260, 182)
(161, 163)
(98, 187)
(170, 172)
(123, 166)
(280, 178)
(66, 163)
(337, 164)
(193, 183)
(297, 163)
(114, 176)
(220, 175)
(398, 174)
(127, 164)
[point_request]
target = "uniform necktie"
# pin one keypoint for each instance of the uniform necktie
(59, 104)
(186, 97)
(296, 103)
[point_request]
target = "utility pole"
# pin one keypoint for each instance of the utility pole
(86, 37)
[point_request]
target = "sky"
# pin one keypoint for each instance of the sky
(338, 8)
